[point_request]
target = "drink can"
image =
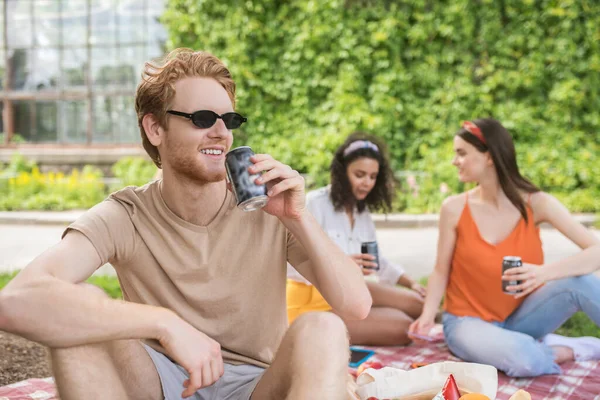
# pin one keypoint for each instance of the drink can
(509, 262)
(249, 195)
(371, 248)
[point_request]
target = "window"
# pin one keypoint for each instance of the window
(74, 117)
(22, 118)
(2, 71)
(46, 121)
(47, 23)
(75, 22)
(2, 28)
(132, 26)
(69, 68)
(104, 23)
(131, 62)
(21, 65)
(46, 69)
(125, 125)
(105, 112)
(104, 65)
(74, 63)
(18, 24)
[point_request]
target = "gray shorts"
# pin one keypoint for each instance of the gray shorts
(237, 383)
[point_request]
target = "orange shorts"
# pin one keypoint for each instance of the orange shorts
(303, 298)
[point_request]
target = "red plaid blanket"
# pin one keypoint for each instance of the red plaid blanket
(38, 389)
(579, 380)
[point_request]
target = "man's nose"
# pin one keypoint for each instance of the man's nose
(219, 129)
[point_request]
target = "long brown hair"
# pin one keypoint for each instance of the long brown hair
(380, 197)
(499, 143)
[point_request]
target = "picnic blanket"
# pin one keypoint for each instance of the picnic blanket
(31, 389)
(579, 380)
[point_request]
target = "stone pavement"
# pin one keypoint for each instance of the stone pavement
(414, 248)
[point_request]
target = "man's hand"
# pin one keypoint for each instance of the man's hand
(530, 275)
(197, 353)
(285, 186)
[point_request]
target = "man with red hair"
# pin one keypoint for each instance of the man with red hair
(203, 281)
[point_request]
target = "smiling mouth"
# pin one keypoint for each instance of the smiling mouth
(211, 152)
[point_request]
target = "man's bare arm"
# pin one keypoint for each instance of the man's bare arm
(337, 277)
(44, 302)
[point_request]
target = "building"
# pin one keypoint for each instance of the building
(69, 71)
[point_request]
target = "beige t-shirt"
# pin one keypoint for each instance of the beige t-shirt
(227, 279)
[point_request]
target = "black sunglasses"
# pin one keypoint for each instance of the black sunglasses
(206, 118)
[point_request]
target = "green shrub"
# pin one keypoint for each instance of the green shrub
(110, 284)
(310, 72)
(6, 277)
(51, 191)
(24, 187)
(15, 139)
(133, 171)
(18, 163)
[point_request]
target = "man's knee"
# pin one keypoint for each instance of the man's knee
(83, 350)
(320, 320)
(79, 353)
(319, 338)
(65, 361)
(322, 326)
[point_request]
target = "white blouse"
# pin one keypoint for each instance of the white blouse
(337, 226)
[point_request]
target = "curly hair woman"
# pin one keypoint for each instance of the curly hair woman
(361, 179)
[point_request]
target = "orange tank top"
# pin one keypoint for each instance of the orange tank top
(474, 284)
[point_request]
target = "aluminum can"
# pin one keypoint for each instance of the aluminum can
(249, 196)
(371, 248)
(509, 262)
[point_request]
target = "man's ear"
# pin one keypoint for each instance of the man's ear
(154, 131)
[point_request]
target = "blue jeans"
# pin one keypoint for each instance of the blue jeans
(512, 345)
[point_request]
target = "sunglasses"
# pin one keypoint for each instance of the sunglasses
(205, 118)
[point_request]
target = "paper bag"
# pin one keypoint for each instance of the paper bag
(417, 384)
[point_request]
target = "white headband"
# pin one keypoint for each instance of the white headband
(360, 144)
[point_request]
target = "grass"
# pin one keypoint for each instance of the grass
(110, 284)
(578, 325)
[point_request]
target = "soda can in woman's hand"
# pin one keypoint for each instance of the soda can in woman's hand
(371, 248)
(509, 262)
